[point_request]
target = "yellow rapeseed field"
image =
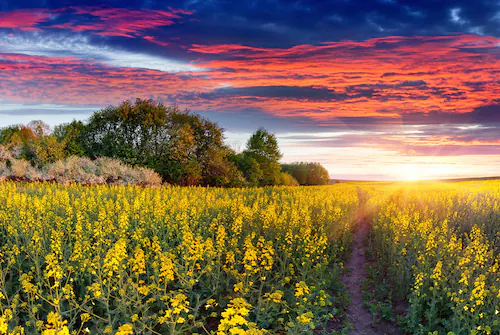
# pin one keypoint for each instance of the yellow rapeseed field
(130, 260)
(439, 244)
(125, 260)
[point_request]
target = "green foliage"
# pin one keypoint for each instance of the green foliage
(44, 150)
(287, 179)
(308, 173)
(7, 134)
(183, 147)
(133, 132)
(249, 167)
(72, 136)
(263, 148)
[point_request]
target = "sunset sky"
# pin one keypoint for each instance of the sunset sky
(371, 89)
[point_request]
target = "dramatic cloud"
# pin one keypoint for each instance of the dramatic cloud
(350, 84)
(102, 21)
(23, 19)
(116, 21)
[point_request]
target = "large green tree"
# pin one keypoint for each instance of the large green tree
(71, 134)
(263, 148)
(183, 147)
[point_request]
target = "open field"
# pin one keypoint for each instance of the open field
(282, 260)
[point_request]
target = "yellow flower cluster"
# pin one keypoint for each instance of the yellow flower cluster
(124, 260)
(440, 244)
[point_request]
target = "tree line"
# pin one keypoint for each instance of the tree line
(184, 148)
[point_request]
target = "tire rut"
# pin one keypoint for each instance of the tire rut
(358, 315)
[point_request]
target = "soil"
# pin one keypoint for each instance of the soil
(358, 315)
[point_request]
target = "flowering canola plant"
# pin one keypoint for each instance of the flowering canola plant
(440, 246)
(128, 260)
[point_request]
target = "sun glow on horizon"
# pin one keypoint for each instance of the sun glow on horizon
(407, 172)
(419, 171)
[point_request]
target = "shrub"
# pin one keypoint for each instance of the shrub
(4, 170)
(74, 170)
(286, 179)
(147, 176)
(21, 169)
(85, 171)
(5, 154)
(307, 173)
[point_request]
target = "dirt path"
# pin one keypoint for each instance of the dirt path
(358, 315)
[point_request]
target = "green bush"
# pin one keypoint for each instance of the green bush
(307, 173)
(286, 179)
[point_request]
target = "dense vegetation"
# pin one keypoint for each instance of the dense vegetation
(307, 173)
(130, 260)
(182, 147)
(437, 249)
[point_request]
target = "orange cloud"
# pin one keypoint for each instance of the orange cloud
(449, 66)
(117, 21)
(377, 78)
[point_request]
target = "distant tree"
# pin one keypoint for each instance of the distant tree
(7, 134)
(44, 150)
(263, 147)
(32, 142)
(249, 167)
(71, 134)
(307, 173)
(39, 128)
(16, 138)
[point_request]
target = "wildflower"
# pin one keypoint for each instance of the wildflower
(125, 329)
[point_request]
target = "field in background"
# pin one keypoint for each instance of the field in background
(169, 260)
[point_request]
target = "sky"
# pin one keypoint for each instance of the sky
(379, 89)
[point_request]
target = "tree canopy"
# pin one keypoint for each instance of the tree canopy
(183, 147)
(308, 173)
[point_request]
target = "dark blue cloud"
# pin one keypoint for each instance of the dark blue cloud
(308, 93)
(283, 23)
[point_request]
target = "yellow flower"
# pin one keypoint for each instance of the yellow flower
(55, 325)
(125, 329)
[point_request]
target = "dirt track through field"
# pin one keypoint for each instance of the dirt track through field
(358, 315)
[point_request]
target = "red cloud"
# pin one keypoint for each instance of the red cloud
(380, 78)
(98, 20)
(117, 21)
(23, 19)
(450, 69)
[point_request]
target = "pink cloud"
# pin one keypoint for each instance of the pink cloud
(117, 21)
(454, 74)
(98, 20)
(25, 20)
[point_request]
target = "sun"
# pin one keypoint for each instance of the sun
(408, 172)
